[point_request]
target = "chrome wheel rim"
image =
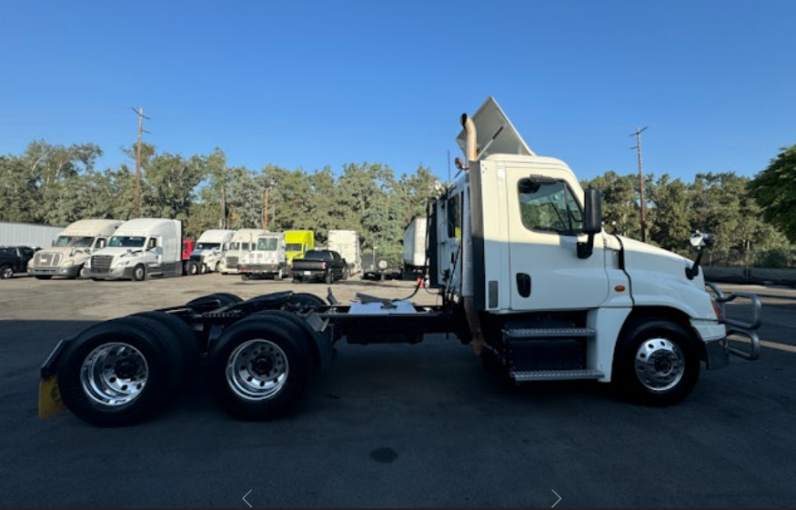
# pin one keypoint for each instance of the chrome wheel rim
(659, 364)
(114, 374)
(257, 370)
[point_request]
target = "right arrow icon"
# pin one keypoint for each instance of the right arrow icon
(559, 499)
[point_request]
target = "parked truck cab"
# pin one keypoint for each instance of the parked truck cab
(243, 242)
(72, 249)
(298, 243)
(267, 259)
(209, 252)
(139, 248)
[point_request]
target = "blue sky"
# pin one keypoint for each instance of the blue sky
(305, 84)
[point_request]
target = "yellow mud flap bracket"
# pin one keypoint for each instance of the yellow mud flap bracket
(50, 401)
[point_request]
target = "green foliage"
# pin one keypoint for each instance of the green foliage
(775, 191)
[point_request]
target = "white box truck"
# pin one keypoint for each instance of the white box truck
(525, 274)
(414, 242)
(209, 251)
(346, 243)
(139, 248)
(243, 242)
(72, 249)
(267, 259)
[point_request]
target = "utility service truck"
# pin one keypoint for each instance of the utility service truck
(72, 249)
(209, 251)
(139, 248)
(298, 242)
(346, 243)
(267, 259)
(243, 242)
(526, 274)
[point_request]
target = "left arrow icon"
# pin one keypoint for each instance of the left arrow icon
(244, 498)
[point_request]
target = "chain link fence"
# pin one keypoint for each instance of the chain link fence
(772, 259)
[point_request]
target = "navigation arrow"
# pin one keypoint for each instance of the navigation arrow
(244, 498)
(554, 504)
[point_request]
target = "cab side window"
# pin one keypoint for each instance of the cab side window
(454, 217)
(549, 206)
(152, 243)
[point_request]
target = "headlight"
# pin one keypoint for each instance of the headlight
(123, 263)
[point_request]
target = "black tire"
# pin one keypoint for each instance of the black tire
(279, 275)
(181, 335)
(328, 279)
(145, 343)
(297, 279)
(43, 277)
(261, 344)
(306, 301)
(346, 273)
(193, 268)
(213, 301)
(185, 268)
(202, 268)
(656, 362)
(139, 273)
(6, 272)
(245, 277)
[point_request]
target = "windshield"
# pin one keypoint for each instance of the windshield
(267, 244)
(240, 246)
(208, 246)
(293, 247)
(127, 242)
(75, 242)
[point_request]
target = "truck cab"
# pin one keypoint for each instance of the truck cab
(243, 242)
(209, 252)
(139, 248)
(298, 243)
(72, 249)
(267, 258)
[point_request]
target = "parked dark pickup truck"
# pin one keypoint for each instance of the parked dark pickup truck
(14, 259)
(326, 265)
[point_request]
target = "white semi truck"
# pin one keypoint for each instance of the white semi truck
(72, 249)
(346, 243)
(243, 242)
(526, 275)
(268, 258)
(209, 251)
(139, 248)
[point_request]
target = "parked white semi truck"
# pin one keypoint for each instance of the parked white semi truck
(209, 251)
(139, 248)
(243, 242)
(72, 249)
(526, 275)
(346, 243)
(267, 259)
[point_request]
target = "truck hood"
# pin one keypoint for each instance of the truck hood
(66, 251)
(205, 253)
(120, 252)
(656, 263)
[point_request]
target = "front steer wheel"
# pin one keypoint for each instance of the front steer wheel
(120, 372)
(259, 367)
(656, 362)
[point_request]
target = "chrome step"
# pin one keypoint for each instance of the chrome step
(549, 332)
(555, 375)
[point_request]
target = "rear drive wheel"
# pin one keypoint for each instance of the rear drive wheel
(259, 367)
(139, 273)
(656, 362)
(119, 372)
(193, 268)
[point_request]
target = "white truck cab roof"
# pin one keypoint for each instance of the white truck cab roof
(91, 228)
(216, 236)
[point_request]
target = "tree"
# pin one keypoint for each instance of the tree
(775, 191)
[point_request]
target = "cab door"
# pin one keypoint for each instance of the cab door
(545, 225)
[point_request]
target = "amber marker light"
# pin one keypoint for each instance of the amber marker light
(619, 288)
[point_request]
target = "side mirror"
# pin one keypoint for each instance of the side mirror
(700, 241)
(592, 221)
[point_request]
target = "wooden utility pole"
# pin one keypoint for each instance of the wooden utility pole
(265, 208)
(637, 134)
(137, 201)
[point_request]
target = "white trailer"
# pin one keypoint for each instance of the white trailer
(414, 247)
(525, 273)
(27, 234)
(72, 249)
(139, 248)
(243, 242)
(209, 251)
(346, 243)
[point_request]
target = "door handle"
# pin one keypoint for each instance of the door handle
(524, 284)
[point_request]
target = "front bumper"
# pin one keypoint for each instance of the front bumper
(258, 268)
(68, 271)
(119, 273)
